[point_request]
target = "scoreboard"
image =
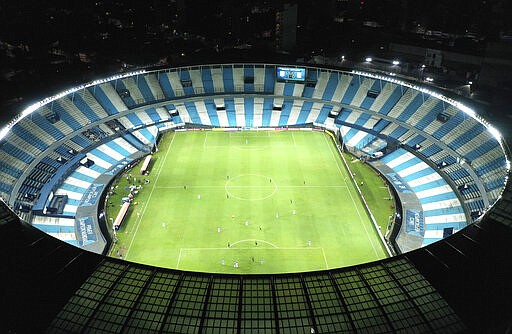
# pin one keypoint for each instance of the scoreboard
(291, 73)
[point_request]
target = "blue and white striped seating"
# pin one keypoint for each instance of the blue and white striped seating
(194, 96)
(441, 207)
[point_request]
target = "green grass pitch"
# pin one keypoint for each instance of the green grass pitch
(282, 201)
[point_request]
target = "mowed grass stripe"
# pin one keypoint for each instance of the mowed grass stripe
(361, 220)
(289, 193)
(138, 221)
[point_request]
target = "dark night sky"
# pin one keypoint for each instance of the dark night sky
(41, 40)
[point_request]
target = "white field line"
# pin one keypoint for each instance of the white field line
(254, 187)
(250, 248)
(293, 137)
(325, 259)
(352, 198)
(244, 134)
(179, 259)
(150, 194)
(253, 240)
(136, 219)
(204, 141)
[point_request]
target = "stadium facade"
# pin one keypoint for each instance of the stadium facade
(448, 165)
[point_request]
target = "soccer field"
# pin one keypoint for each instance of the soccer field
(273, 202)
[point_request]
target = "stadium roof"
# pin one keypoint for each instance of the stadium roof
(461, 283)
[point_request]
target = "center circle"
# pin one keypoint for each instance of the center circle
(251, 187)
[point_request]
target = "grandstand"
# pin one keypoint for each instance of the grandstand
(448, 166)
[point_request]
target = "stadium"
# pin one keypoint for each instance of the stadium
(444, 253)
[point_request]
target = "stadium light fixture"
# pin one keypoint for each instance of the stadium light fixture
(396, 62)
(429, 79)
(368, 59)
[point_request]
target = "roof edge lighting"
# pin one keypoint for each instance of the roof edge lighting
(30, 109)
(467, 110)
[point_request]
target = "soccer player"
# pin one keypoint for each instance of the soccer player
(218, 229)
(309, 243)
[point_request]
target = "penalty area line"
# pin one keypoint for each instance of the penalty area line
(250, 248)
(325, 259)
(179, 259)
(254, 240)
(253, 186)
